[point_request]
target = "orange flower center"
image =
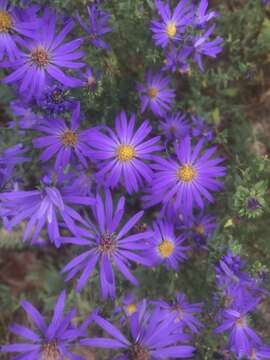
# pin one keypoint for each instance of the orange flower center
(199, 229)
(5, 22)
(40, 57)
(69, 138)
(50, 351)
(186, 173)
(152, 92)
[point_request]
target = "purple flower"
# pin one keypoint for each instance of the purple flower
(9, 158)
(124, 153)
(190, 179)
(27, 119)
(56, 100)
(199, 227)
(201, 16)
(173, 24)
(107, 246)
(90, 80)
(176, 60)
(52, 341)
(97, 26)
(63, 141)
(156, 93)
(43, 207)
(203, 47)
(149, 336)
(260, 353)
(175, 126)
(242, 336)
(201, 129)
(15, 22)
(165, 247)
(46, 54)
(183, 312)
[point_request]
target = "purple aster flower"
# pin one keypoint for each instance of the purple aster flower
(124, 153)
(242, 337)
(63, 141)
(9, 158)
(190, 178)
(56, 100)
(165, 247)
(203, 47)
(97, 26)
(201, 15)
(82, 180)
(201, 129)
(183, 311)
(148, 336)
(53, 341)
(43, 207)
(107, 246)
(46, 54)
(27, 119)
(173, 24)
(90, 80)
(176, 60)
(14, 23)
(175, 126)
(156, 93)
(199, 227)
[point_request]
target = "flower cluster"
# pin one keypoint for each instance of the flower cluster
(93, 176)
(242, 294)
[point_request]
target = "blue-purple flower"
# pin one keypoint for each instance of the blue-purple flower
(172, 24)
(63, 141)
(175, 126)
(26, 118)
(148, 336)
(156, 93)
(43, 208)
(184, 312)
(165, 247)
(190, 178)
(52, 341)
(15, 22)
(44, 58)
(124, 154)
(108, 246)
(201, 129)
(97, 26)
(202, 16)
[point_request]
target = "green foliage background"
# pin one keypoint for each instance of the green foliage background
(233, 94)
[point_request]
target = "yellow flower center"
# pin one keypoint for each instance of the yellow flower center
(50, 351)
(166, 248)
(171, 29)
(152, 92)
(40, 57)
(125, 153)
(5, 21)
(131, 309)
(69, 138)
(199, 229)
(186, 173)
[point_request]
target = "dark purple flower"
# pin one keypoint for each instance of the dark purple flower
(201, 129)
(242, 337)
(203, 47)
(9, 158)
(175, 126)
(56, 99)
(165, 247)
(107, 246)
(43, 207)
(124, 153)
(253, 204)
(149, 336)
(173, 24)
(156, 93)
(63, 141)
(183, 311)
(46, 54)
(14, 23)
(190, 178)
(97, 26)
(51, 342)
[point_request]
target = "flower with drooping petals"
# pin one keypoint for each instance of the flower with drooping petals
(175, 126)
